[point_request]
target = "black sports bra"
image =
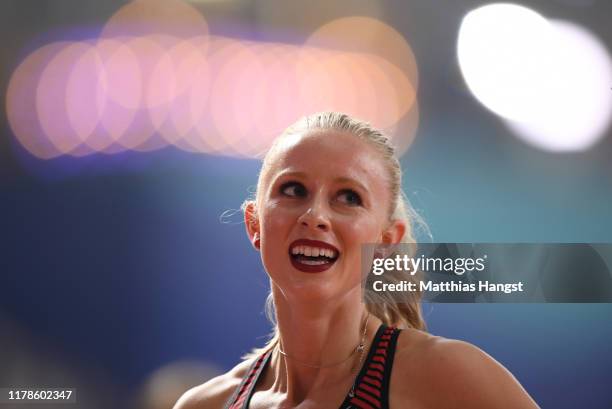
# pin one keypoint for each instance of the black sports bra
(369, 391)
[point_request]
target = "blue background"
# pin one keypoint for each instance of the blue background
(126, 263)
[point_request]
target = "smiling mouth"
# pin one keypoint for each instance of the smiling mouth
(311, 256)
(313, 261)
(310, 264)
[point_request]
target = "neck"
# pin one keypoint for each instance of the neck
(320, 344)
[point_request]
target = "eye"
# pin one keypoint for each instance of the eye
(351, 197)
(293, 189)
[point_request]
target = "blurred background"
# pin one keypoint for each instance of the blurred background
(131, 132)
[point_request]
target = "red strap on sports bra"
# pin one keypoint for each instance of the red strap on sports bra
(371, 387)
(241, 397)
(369, 391)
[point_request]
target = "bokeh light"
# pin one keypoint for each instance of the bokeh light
(545, 80)
(52, 102)
(369, 36)
(578, 109)
(155, 77)
(21, 102)
(123, 90)
(504, 66)
(86, 90)
(165, 385)
(149, 17)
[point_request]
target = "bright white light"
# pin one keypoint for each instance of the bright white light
(550, 81)
(579, 102)
(501, 50)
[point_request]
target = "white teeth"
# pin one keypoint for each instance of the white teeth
(313, 251)
(314, 262)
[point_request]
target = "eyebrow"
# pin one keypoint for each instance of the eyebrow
(341, 179)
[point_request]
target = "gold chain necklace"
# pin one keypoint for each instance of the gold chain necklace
(360, 348)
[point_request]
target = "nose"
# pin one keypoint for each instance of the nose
(315, 217)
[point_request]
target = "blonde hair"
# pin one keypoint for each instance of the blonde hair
(403, 312)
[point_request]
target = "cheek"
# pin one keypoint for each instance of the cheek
(363, 230)
(275, 226)
(276, 221)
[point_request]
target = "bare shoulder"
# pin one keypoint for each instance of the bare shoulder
(214, 393)
(430, 371)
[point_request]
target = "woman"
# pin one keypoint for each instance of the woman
(329, 184)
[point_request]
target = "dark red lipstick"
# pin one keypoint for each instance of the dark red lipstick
(301, 253)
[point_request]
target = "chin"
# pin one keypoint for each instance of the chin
(310, 290)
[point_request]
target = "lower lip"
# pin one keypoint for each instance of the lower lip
(307, 268)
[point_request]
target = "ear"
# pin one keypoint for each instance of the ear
(389, 238)
(251, 222)
(394, 233)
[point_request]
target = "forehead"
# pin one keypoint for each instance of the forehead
(329, 154)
